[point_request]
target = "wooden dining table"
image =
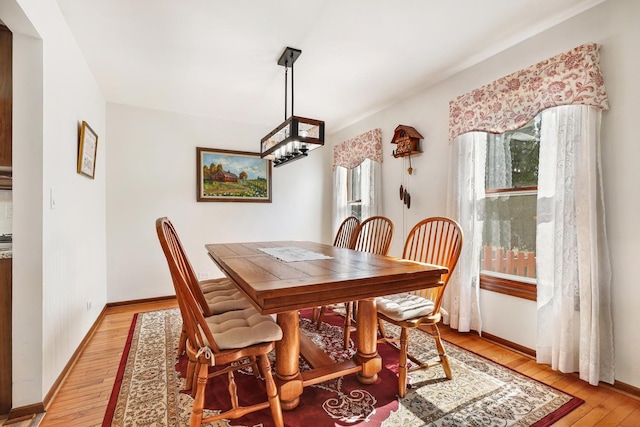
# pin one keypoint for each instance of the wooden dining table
(284, 277)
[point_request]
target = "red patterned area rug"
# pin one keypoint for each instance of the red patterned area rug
(482, 393)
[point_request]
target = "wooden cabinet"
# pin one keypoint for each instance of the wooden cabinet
(5, 335)
(6, 100)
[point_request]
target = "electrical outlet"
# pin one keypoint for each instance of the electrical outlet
(89, 305)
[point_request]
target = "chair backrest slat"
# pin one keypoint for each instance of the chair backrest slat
(436, 240)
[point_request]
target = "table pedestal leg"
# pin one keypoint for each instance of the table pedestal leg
(288, 378)
(367, 354)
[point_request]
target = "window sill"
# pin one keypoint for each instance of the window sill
(508, 287)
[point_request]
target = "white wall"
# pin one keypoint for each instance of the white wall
(59, 254)
(151, 163)
(612, 24)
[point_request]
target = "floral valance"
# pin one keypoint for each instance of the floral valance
(352, 152)
(572, 77)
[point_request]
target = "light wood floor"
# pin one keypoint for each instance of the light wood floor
(83, 397)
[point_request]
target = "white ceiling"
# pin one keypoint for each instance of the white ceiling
(218, 58)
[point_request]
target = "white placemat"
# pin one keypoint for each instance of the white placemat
(292, 254)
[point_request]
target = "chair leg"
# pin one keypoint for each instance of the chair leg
(320, 314)
(198, 400)
(191, 372)
(233, 390)
(254, 367)
(272, 391)
(383, 333)
(182, 344)
(402, 362)
(442, 353)
(347, 324)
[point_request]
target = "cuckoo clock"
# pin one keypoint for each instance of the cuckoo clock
(408, 141)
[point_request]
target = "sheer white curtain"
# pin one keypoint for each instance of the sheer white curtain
(499, 158)
(370, 187)
(466, 205)
(575, 332)
(499, 175)
(340, 207)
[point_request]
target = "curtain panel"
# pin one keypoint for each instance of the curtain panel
(340, 207)
(466, 204)
(573, 77)
(575, 327)
(352, 152)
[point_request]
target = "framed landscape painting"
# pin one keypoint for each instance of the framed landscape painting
(232, 176)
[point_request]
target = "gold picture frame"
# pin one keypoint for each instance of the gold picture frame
(232, 176)
(87, 150)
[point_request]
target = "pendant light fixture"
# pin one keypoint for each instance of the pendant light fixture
(294, 138)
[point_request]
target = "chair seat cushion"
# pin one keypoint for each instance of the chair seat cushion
(404, 306)
(222, 295)
(242, 328)
(216, 284)
(226, 300)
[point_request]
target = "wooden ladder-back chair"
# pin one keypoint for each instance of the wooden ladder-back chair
(229, 341)
(214, 296)
(437, 241)
(374, 236)
(342, 240)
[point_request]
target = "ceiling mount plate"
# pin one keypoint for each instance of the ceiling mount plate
(289, 56)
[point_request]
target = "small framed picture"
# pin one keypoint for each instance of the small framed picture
(87, 150)
(232, 176)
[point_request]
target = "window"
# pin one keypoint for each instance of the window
(356, 177)
(509, 232)
(354, 191)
